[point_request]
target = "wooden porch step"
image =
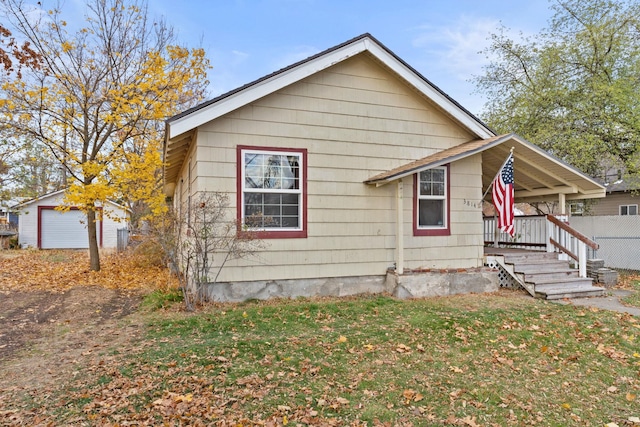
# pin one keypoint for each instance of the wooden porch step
(549, 283)
(521, 258)
(570, 292)
(542, 266)
(551, 276)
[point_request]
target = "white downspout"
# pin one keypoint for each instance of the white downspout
(399, 228)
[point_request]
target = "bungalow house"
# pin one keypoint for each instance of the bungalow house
(42, 226)
(363, 167)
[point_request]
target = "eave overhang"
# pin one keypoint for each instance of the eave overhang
(538, 175)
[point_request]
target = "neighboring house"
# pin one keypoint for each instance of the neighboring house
(7, 216)
(362, 167)
(42, 226)
(621, 199)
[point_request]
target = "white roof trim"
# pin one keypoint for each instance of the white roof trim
(419, 83)
(256, 91)
(56, 193)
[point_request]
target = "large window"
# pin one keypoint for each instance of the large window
(628, 209)
(431, 202)
(272, 183)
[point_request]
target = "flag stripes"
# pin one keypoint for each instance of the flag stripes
(503, 194)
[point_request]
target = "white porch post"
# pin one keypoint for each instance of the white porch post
(399, 228)
(562, 200)
(582, 259)
(550, 235)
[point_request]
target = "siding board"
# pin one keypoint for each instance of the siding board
(355, 120)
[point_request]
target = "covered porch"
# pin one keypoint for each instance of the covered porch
(538, 177)
(546, 257)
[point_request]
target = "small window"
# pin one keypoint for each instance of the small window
(628, 209)
(432, 202)
(271, 189)
(576, 208)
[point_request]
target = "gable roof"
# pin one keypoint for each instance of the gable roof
(57, 193)
(179, 127)
(538, 174)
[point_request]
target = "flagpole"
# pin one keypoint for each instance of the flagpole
(499, 170)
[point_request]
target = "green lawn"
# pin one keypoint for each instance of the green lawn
(474, 360)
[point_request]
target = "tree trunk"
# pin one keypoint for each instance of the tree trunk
(94, 254)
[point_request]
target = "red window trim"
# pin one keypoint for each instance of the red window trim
(73, 208)
(273, 234)
(431, 231)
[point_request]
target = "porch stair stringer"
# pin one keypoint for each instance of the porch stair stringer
(510, 269)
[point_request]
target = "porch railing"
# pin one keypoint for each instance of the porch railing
(567, 240)
(543, 233)
(530, 233)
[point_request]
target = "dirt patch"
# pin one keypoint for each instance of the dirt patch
(46, 335)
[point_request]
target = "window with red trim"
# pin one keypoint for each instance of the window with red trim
(272, 184)
(431, 202)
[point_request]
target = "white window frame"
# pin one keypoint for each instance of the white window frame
(620, 207)
(444, 198)
(576, 208)
(299, 191)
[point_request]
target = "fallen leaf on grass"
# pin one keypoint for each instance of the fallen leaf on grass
(471, 422)
(401, 348)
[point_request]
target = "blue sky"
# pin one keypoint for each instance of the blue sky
(247, 39)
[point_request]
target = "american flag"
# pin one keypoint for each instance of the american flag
(503, 196)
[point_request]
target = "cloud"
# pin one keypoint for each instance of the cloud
(454, 47)
(238, 57)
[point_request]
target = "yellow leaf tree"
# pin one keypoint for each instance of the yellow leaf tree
(99, 98)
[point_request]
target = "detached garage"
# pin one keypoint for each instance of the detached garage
(42, 226)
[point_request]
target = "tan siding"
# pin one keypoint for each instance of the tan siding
(610, 205)
(355, 120)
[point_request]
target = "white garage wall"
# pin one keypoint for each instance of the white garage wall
(28, 223)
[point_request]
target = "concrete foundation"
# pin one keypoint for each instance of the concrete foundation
(422, 284)
(262, 290)
(418, 284)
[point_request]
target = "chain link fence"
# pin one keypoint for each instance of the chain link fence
(618, 237)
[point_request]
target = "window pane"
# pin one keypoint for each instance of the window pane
(431, 213)
(273, 210)
(437, 189)
(437, 175)
(623, 210)
(432, 182)
(633, 210)
(271, 171)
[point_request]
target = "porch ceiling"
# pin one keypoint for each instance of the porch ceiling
(538, 176)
